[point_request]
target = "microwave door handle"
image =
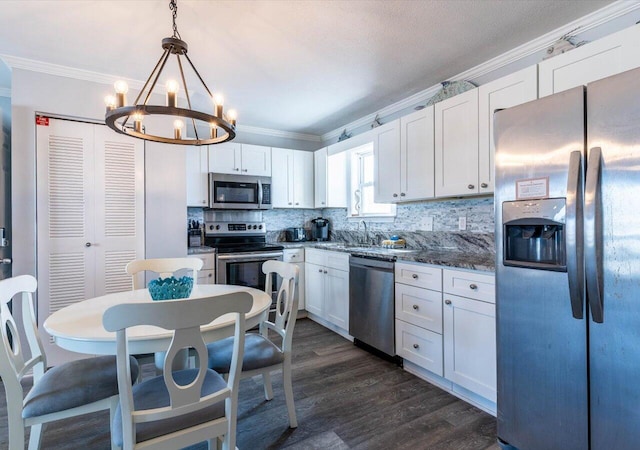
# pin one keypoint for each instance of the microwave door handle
(259, 194)
(575, 265)
(592, 235)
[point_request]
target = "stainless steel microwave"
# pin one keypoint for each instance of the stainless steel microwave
(239, 191)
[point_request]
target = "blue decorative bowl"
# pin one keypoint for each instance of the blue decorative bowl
(170, 288)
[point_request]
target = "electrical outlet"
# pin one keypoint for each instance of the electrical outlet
(427, 223)
(462, 223)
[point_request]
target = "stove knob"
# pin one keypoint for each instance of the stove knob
(260, 227)
(255, 226)
(217, 227)
(211, 227)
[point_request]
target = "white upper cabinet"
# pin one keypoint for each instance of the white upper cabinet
(240, 159)
(514, 89)
(197, 176)
(404, 158)
(456, 145)
(417, 155)
(320, 177)
(330, 179)
(607, 56)
(292, 178)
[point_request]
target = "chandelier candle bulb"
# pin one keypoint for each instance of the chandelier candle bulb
(177, 129)
(121, 88)
(110, 102)
(172, 93)
(137, 122)
(214, 131)
(232, 115)
(218, 99)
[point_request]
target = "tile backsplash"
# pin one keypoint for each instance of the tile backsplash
(430, 224)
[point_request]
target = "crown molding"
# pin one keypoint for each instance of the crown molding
(5, 92)
(278, 133)
(585, 23)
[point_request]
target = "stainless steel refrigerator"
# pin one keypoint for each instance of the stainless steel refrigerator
(567, 206)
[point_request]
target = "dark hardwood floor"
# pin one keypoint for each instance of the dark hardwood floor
(346, 398)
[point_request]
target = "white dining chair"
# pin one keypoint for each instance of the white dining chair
(164, 267)
(68, 390)
(178, 408)
(261, 355)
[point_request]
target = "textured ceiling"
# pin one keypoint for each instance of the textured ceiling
(301, 66)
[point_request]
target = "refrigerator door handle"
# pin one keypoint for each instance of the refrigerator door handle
(593, 235)
(574, 227)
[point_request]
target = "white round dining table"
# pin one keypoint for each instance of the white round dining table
(78, 327)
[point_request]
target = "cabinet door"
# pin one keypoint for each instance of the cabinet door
(337, 297)
(386, 163)
(256, 160)
(456, 138)
(417, 158)
(302, 185)
(337, 190)
(314, 289)
(514, 89)
(470, 344)
(607, 56)
(197, 176)
(300, 287)
(320, 177)
(281, 177)
(225, 158)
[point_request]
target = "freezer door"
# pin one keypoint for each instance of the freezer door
(542, 359)
(612, 254)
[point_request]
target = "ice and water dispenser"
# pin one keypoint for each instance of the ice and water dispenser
(534, 234)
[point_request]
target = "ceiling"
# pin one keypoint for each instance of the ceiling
(300, 66)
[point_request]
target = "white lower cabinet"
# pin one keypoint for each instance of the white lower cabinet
(296, 256)
(206, 275)
(327, 286)
(470, 332)
(446, 328)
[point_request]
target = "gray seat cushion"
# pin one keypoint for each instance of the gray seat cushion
(259, 352)
(75, 384)
(153, 393)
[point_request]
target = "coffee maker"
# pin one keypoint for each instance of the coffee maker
(320, 229)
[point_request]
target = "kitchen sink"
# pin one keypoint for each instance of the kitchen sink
(401, 250)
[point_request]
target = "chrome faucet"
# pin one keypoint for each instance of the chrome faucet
(366, 231)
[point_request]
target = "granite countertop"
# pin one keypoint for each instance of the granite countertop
(449, 257)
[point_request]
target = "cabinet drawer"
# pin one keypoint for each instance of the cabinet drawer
(314, 256)
(420, 307)
(419, 275)
(476, 285)
(208, 260)
(293, 255)
(207, 277)
(420, 346)
(337, 260)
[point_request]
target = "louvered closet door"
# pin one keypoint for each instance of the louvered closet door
(90, 216)
(119, 219)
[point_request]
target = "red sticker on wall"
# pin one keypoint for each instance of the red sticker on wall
(41, 120)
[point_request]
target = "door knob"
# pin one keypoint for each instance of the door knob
(484, 185)
(395, 195)
(471, 186)
(416, 346)
(88, 244)
(414, 276)
(402, 194)
(473, 286)
(245, 170)
(415, 307)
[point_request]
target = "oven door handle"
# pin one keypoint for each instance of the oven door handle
(249, 256)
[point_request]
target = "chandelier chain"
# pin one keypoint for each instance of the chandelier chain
(173, 6)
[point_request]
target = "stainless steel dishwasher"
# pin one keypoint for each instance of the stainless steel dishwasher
(371, 303)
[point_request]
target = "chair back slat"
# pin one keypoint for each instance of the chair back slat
(164, 267)
(13, 362)
(286, 302)
(184, 317)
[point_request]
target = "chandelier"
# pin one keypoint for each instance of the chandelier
(221, 127)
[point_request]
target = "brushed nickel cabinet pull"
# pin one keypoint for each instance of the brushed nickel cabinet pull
(447, 302)
(473, 286)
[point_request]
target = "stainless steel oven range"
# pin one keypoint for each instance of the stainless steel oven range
(241, 249)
